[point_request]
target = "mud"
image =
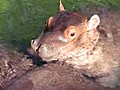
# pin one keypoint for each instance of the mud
(17, 72)
(54, 77)
(12, 64)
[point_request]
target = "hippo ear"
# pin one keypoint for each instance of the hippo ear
(93, 22)
(50, 23)
(61, 7)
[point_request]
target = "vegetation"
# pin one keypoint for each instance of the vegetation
(23, 20)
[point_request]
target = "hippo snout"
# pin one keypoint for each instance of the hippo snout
(45, 51)
(34, 45)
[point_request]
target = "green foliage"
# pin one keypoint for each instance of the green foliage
(23, 20)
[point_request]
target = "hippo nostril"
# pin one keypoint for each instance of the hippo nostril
(32, 41)
(34, 45)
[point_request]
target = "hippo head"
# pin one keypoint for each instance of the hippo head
(65, 31)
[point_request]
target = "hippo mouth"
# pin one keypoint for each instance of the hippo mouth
(45, 51)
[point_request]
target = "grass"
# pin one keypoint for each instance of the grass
(23, 20)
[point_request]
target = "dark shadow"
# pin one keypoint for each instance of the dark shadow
(35, 58)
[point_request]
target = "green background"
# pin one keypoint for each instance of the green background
(23, 20)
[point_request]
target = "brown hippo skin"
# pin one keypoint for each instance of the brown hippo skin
(71, 38)
(66, 31)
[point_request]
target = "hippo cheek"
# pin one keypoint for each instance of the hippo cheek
(48, 52)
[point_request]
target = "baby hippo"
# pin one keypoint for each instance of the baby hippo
(71, 38)
(67, 33)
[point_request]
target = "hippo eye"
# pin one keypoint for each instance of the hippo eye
(71, 33)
